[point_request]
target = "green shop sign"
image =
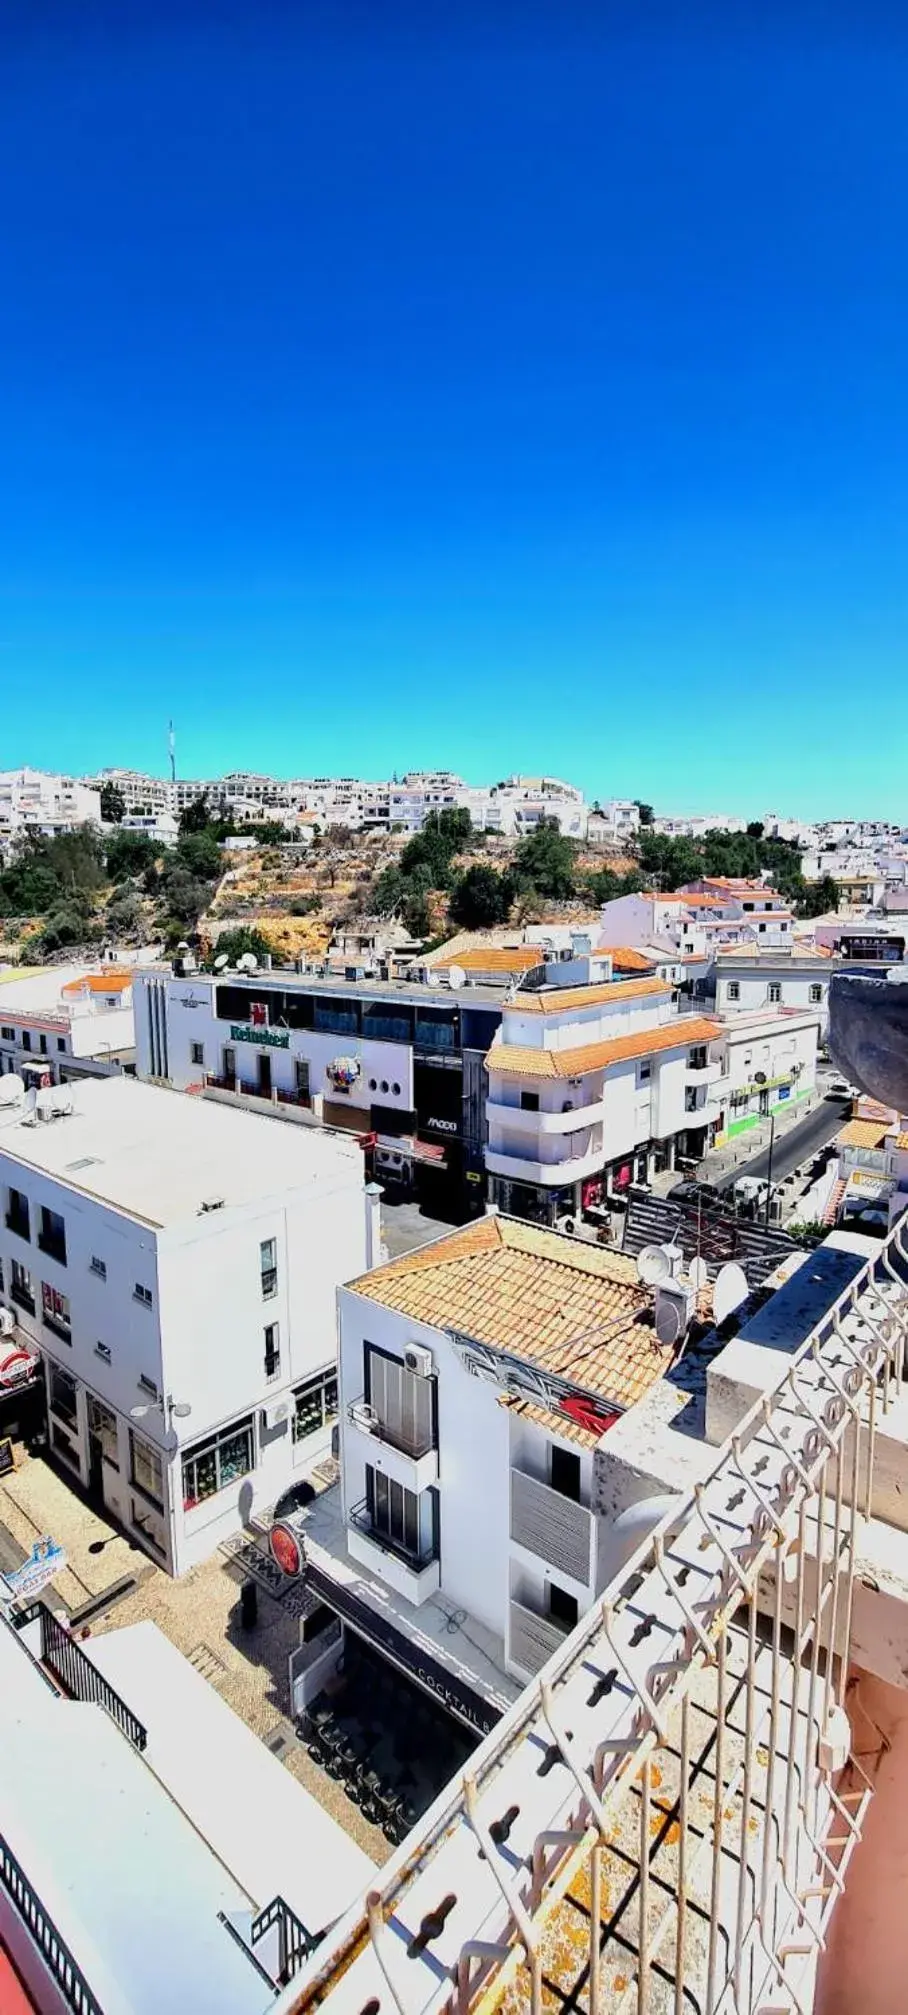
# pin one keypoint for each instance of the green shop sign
(270, 1038)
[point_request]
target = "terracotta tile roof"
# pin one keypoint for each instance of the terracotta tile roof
(553, 1422)
(114, 981)
(555, 1000)
(518, 1061)
(493, 959)
(626, 959)
(900, 1141)
(573, 1310)
(864, 1133)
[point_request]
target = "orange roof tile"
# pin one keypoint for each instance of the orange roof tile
(114, 981)
(556, 1000)
(552, 1421)
(869, 1133)
(626, 959)
(515, 1060)
(493, 959)
(900, 1141)
(574, 1310)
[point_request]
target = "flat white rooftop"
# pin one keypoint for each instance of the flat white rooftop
(273, 1836)
(159, 1155)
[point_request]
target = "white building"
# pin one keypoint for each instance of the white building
(695, 825)
(593, 1088)
(35, 801)
(694, 920)
(66, 1022)
(181, 1259)
(515, 807)
(616, 823)
(163, 1858)
(745, 979)
(156, 824)
(478, 1376)
(140, 793)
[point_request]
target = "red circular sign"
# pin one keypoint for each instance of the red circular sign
(286, 1549)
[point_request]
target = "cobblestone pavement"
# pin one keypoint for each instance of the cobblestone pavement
(199, 1613)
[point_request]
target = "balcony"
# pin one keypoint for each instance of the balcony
(415, 1574)
(411, 1459)
(532, 1638)
(705, 1073)
(535, 1123)
(552, 1527)
(551, 1174)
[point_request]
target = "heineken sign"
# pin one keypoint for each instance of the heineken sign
(271, 1038)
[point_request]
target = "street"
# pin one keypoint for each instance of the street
(795, 1146)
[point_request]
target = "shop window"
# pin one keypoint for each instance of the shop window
(62, 1395)
(146, 1470)
(217, 1463)
(315, 1405)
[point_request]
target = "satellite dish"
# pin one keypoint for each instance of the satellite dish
(698, 1273)
(221, 962)
(729, 1291)
(456, 978)
(653, 1265)
(668, 1321)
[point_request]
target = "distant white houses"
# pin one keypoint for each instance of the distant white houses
(39, 802)
(66, 1022)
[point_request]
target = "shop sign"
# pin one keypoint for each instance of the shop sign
(46, 1560)
(442, 1125)
(268, 1038)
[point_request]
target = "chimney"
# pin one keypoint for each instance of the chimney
(373, 1225)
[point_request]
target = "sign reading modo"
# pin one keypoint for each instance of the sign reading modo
(272, 1038)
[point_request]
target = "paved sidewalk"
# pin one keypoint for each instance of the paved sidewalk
(723, 1161)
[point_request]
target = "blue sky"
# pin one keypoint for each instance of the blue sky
(511, 386)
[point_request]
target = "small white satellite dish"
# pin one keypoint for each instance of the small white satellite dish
(221, 962)
(668, 1321)
(456, 978)
(729, 1291)
(653, 1265)
(698, 1273)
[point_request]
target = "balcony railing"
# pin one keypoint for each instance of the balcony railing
(555, 1528)
(81, 1679)
(294, 1942)
(534, 1638)
(364, 1416)
(662, 1819)
(413, 1557)
(68, 1978)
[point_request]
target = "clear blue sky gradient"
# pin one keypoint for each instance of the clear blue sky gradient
(504, 386)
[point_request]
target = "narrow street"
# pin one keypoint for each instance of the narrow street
(795, 1146)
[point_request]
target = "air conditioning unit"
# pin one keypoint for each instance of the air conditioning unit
(363, 1415)
(7, 1322)
(278, 1411)
(676, 1301)
(419, 1360)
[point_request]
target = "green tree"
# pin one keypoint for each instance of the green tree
(130, 853)
(234, 944)
(124, 916)
(113, 804)
(200, 853)
(197, 815)
(481, 896)
(646, 812)
(546, 859)
(755, 829)
(820, 896)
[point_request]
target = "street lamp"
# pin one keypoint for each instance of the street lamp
(760, 1079)
(170, 1410)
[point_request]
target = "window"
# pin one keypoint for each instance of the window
(761, 927)
(98, 1266)
(315, 1404)
(17, 1218)
(146, 1470)
(302, 1080)
(217, 1463)
(26, 1039)
(404, 1402)
(272, 1350)
(815, 995)
(774, 992)
(268, 1256)
(43, 1042)
(565, 1472)
(63, 1395)
(21, 1287)
(102, 1350)
(562, 1606)
(197, 1054)
(147, 1384)
(690, 1098)
(696, 1057)
(61, 1043)
(8, 1034)
(143, 1294)
(393, 1512)
(529, 1101)
(734, 990)
(52, 1236)
(55, 1312)
(102, 1423)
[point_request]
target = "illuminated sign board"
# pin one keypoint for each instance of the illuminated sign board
(269, 1038)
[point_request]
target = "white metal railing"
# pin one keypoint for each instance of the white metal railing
(663, 1820)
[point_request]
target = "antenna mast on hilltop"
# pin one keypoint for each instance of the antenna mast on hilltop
(172, 752)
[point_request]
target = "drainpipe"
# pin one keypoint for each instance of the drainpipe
(373, 1196)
